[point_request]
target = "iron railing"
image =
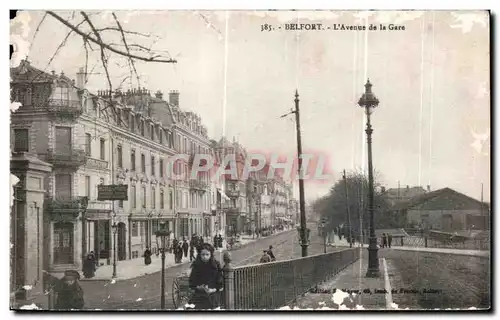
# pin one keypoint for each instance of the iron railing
(276, 284)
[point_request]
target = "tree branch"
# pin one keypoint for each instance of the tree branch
(131, 61)
(99, 41)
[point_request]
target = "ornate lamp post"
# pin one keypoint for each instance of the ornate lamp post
(114, 226)
(370, 102)
(163, 235)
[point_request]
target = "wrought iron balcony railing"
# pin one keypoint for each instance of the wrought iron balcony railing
(70, 203)
(70, 158)
(65, 107)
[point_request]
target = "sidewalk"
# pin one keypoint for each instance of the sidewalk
(128, 269)
(352, 290)
(479, 253)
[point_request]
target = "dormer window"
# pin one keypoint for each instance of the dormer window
(61, 93)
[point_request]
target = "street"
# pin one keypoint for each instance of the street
(462, 281)
(144, 292)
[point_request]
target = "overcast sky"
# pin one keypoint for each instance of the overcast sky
(432, 80)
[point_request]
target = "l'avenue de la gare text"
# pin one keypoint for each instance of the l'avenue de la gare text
(342, 27)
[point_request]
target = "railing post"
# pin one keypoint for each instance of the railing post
(229, 290)
(425, 239)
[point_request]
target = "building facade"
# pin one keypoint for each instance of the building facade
(445, 210)
(192, 190)
(91, 140)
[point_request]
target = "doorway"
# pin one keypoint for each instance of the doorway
(63, 243)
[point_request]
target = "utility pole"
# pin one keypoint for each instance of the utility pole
(303, 227)
(348, 211)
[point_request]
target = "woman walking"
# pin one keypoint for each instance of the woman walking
(206, 279)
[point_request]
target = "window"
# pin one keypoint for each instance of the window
(87, 186)
(152, 132)
(88, 143)
(133, 197)
(171, 200)
(132, 160)
(152, 165)
(103, 149)
(61, 93)
(63, 186)
(135, 229)
(142, 128)
(178, 200)
(160, 135)
(21, 140)
(162, 200)
(144, 197)
(119, 152)
(63, 140)
(161, 168)
(153, 198)
(143, 163)
(120, 204)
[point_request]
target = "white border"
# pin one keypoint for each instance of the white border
(189, 4)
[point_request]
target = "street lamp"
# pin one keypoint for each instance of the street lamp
(114, 226)
(369, 101)
(163, 235)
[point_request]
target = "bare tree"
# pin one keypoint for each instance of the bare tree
(94, 37)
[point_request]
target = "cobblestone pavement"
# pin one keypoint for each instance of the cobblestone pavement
(144, 292)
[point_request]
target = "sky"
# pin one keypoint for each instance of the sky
(431, 127)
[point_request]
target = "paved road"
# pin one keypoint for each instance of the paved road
(463, 281)
(144, 292)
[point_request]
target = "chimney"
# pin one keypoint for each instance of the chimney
(173, 97)
(81, 79)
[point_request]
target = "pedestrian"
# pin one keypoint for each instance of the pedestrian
(69, 292)
(384, 240)
(389, 239)
(185, 247)
(271, 254)
(147, 256)
(191, 253)
(206, 280)
(178, 254)
(89, 266)
(94, 258)
(265, 257)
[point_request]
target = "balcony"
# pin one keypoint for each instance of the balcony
(233, 193)
(198, 185)
(65, 208)
(65, 108)
(70, 159)
(96, 164)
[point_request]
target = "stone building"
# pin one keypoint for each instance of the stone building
(192, 191)
(93, 139)
(444, 210)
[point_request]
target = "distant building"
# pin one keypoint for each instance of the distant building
(444, 210)
(395, 195)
